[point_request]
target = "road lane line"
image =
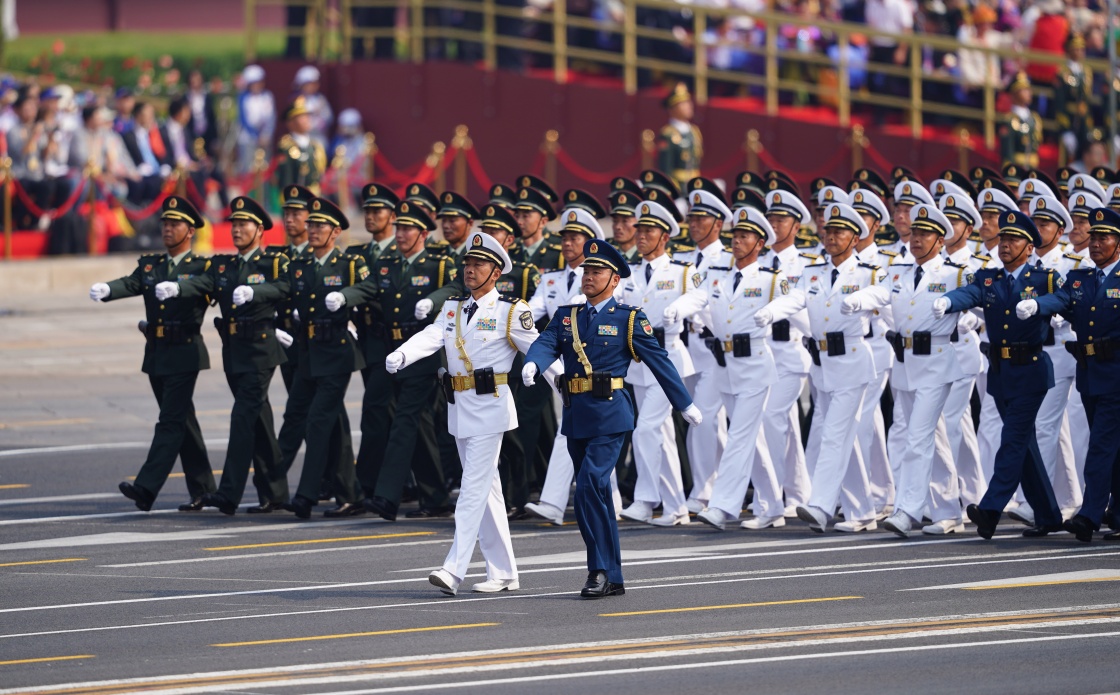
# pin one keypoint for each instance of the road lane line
(45, 659)
(1030, 584)
(729, 606)
(14, 486)
(63, 498)
(45, 423)
(217, 471)
(323, 540)
(42, 562)
(345, 635)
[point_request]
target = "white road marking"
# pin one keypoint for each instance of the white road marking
(1062, 577)
(111, 446)
(61, 498)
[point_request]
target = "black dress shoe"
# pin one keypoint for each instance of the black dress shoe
(301, 506)
(345, 509)
(139, 495)
(381, 507)
(265, 508)
(597, 586)
(1081, 527)
(224, 506)
(1042, 530)
(425, 513)
(985, 520)
(1114, 536)
(195, 505)
(519, 514)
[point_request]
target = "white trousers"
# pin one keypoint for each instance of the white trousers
(747, 458)
(480, 512)
(872, 442)
(1079, 433)
(962, 441)
(655, 452)
(781, 428)
(991, 427)
(706, 441)
(839, 466)
(926, 471)
(1056, 445)
(557, 485)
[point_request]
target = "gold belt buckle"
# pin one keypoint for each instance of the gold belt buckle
(823, 344)
(1005, 353)
(397, 334)
(461, 383)
(310, 330)
(1090, 350)
(233, 328)
(728, 346)
(159, 331)
(907, 343)
(579, 385)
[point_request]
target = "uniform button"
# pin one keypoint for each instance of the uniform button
(1007, 312)
(911, 302)
(1090, 323)
(312, 309)
(1090, 337)
(910, 317)
(1003, 342)
(396, 310)
(313, 296)
(160, 306)
(1092, 308)
(1005, 326)
(398, 295)
(828, 303)
(825, 318)
(343, 341)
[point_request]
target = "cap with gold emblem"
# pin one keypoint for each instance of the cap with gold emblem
(621, 183)
(1104, 221)
(751, 180)
(977, 175)
(1015, 223)
(748, 197)
(533, 200)
(503, 195)
(1047, 207)
(900, 174)
(678, 95)
(1081, 203)
(819, 183)
(176, 208)
(752, 220)
(940, 188)
(242, 208)
(1064, 174)
(651, 214)
(580, 221)
(378, 195)
(1113, 196)
(1041, 176)
(297, 108)
(421, 195)
(845, 217)
(1085, 182)
(451, 204)
(577, 198)
(652, 178)
(410, 214)
(324, 210)
(658, 196)
(960, 207)
(624, 202)
(1029, 189)
(297, 197)
(498, 217)
(783, 203)
(995, 200)
(600, 254)
(487, 248)
(704, 202)
(869, 178)
(912, 193)
(1020, 81)
(1013, 174)
(928, 218)
(956, 177)
(827, 195)
(1000, 185)
(1105, 175)
(530, 181)
(700, 183)
(868, 203)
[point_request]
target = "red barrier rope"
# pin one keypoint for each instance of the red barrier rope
(537, 167)
(477, 171)
(824, 170)
(879, 160)
(393, 176)
(144, 212)
(627, 168)
(54, 214)
(249, 180)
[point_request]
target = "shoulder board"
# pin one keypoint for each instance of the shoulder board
(818, 265)
(766, 270)
(981, 257)
(948, 263)
(888, 252)
(810, 256)
(569, 306)
(1083, 271)
(870, 266)
(991, 271)
(694, 129)
(683, 263)
(276, 248)
(895, 265)
(304, 259)
(719, 267)
(352, 248)
(1073, 257)
(511, 298)
(286, 141)
(628, 307)
(151, 255)
(440, 243)
(353, 256)
(554, 247)
(459, 299)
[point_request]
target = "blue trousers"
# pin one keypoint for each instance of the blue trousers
(1018, 461)
(594, 460)
(1102, 461)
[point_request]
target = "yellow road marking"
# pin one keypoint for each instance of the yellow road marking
(730, 605)
(1053, 583)
(43, 562)
(324, 540)
(354, 634)
(14, 486)
(46, 658)
(179, 475)
(45, 423)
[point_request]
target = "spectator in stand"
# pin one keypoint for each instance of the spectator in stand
(56, 155)
(204, 113)
(9, 92)
(256, 117)
(125, 104)
(191, 154)
(98, 145)
(896, 17)
(27, 140)
(146, 143)
(1051, 30)
(307, 85)
(976, 68)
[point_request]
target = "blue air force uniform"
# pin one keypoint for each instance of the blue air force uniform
(1020, 374)
(611, 336)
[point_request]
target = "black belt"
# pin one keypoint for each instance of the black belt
(244, 329)
(1016, 353)
(173, 332)
(324, 329)
(1103, 350)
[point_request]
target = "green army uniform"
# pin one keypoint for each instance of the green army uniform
(250, 355)
(174, 354)
(1073, 96)
(302, 159)
(679, 150)
(396, 285)
(328, 355)
(1020, 139)
(545, 255)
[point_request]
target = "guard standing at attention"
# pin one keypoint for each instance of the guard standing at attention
(597, 340)
(173, 356)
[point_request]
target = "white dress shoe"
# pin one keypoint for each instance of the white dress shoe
(943, 527)
(899, 524)
(695, 506)
(493, 586)
(547, 512)
(715, 518)
(447, 583)
(1023, 514)
(790, 512)
(761, 522)
(884, 512)
(670, 520)
(856, 526)
(638, 511)
(817, 518)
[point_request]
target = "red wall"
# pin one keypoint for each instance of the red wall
(57, 16)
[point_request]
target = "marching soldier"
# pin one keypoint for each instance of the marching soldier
(424, 198)
(480, 334)
(295, 209)
(744, 372)
(624, 200)
(402, 284)
(1019, 376)
(173, 355)
(598, 339)
(680, 147)
(533, 211)
(847, 368)
(328, 355)
(302, 158)
(250, 354)
(455, 217)
(1021, 136)
(907, 194)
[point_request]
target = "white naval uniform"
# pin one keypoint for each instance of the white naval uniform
(491, 338)
(1075, 411)
(841, 381)
(991, 424)
(556, 289)
(745, 383)
(706, 441)
(781, 422)
(872, 436)
(921, 383)
(958, 407)
(654, 440)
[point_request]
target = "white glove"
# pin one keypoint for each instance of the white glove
(167, 289)
(423, 308)
(849, 306)
(671, 314)
(578, 299)
(1026, 309)
(967, 322)
(763, 318)
(940, 307)
(284, 337)
(394, 362)
(353, 331)
(529, 374)
(295, 315)
(692, 415)
(334, 301)
(242, 294)
(98, 291)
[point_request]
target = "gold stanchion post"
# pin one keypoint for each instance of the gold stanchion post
(964, 145)
(753, 146)
(551, 143)
(91, 175)
(461, 142)
(649, 148)
(371, 156)
(435, 161)
(859, 143)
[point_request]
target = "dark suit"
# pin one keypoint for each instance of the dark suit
(173, 356)
(147, 188)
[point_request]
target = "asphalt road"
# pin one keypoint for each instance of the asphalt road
(96, 597)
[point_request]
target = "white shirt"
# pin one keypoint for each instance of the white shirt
(731, 309)
(912, 308)
(554, 292)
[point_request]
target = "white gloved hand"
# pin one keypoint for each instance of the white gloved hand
(849, 306)
(1026, 309)
(242, 294)
(98, 291)
(529, 374)
(167, 289)
(671, 314)
(692, 415)
(285, 338)
(334, 301)
(578, 299)
(353, 331)
(940, 307)
(763, 318)
(967, 322)
(295, 315)
(394, 362)
(423, 308)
